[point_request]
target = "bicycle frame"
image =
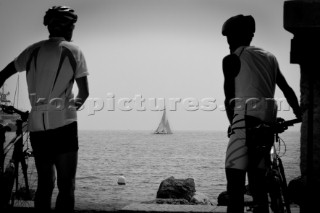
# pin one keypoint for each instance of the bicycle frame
(3, 130)
(280, 202)
(18, 157)
(10, 175)
(279, 197)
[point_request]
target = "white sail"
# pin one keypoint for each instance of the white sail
(164, 127)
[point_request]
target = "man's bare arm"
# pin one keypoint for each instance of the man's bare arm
(83, 91)
(7, 72)
(231, 67)
(289, 94)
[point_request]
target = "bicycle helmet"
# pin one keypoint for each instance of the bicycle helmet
(60, 15)
(239, 25)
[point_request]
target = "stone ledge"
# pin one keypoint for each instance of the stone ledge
(157, 208)
(151, 208)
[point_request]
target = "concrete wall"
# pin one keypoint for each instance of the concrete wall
(302, 18)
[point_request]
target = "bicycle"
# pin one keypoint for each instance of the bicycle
(18, 175)
(278, 188)
(278, 199)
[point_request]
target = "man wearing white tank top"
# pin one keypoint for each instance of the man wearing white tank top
(251, 76)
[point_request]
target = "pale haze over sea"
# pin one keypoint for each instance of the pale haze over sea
(153, 48)
(145, 159)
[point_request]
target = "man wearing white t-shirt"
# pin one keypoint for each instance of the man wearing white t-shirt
(52, 66)
(251, 75)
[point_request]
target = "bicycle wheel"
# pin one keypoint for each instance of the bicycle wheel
(279, 202)
(25, 182)
(275, 195)
(284, 187)
(6, 185)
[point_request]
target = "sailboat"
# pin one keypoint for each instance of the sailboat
(164, 127)
(4, 117)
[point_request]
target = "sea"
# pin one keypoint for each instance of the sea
(145, 159)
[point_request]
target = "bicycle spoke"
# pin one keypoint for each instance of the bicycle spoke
(26, 184)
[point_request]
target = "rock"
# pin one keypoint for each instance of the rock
(177, 189)
(200, 199)
(295, 190)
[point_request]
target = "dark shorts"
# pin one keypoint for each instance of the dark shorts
(56, 141)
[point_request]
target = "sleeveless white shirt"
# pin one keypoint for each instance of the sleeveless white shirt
(255, 83)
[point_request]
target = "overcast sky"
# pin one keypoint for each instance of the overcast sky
(151, 49)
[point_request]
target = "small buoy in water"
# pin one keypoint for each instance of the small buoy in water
(121, 180)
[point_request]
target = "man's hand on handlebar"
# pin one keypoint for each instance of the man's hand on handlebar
(282, 125)
(11, 110)
(279, 128)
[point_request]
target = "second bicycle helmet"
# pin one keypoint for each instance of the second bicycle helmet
(60, 15)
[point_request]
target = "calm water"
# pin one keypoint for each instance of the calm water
(146, 159)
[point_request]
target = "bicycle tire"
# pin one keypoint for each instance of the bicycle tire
(25, 182)
(279, 200)
(276, 199)
(284, 187)
(7, 177)
(7, 180)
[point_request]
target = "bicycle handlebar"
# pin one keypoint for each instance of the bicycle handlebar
(12, 109)
(291, 122)
(282, 125)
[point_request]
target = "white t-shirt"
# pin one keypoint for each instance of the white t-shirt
(51, 67)
(256, 82)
